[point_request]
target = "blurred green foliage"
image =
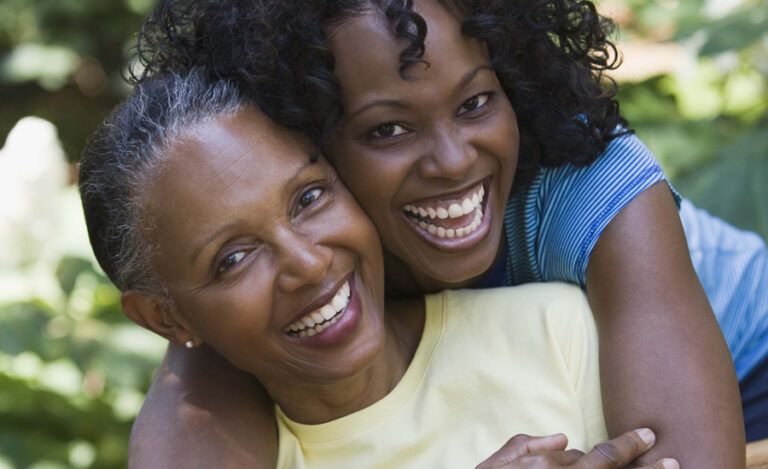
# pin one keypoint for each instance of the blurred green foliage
(707, 118)
(73, 371)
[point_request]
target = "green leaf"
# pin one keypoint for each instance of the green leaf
(734, 187)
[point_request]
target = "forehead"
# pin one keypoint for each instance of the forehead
(220, 168)
(235, 154)
(367, 51)
(246, 143)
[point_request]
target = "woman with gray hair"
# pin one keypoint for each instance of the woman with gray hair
(221, 230)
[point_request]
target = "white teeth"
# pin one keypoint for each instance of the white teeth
(442, 232)
(317, 317)
(338, 303)
(467, 206)
(323, 317)
(453, 210)
(328, 312)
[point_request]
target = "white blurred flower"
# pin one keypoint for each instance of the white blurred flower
(33, 173)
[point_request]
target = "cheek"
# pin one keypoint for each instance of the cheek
(359, 234)
(505, 139)
(231, 321)
(374, 181)
(356, 225)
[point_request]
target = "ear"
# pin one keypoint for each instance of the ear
(156, 313)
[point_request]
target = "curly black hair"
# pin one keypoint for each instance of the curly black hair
(550, 57)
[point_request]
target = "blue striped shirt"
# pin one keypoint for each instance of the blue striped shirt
(554, 222)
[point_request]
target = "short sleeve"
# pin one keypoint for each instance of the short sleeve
(553, 226)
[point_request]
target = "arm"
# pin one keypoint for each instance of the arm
(203, 412)
(663, 360)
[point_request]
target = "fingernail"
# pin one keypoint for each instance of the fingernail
(647, 436)
(670, 464)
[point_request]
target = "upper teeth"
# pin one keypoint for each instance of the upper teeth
(324, 316)
(453, 210)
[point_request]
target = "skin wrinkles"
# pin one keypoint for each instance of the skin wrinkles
(301, 236)
(227, 176)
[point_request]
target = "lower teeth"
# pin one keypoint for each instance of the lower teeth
(443, 232)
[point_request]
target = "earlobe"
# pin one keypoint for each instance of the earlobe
(154, 313)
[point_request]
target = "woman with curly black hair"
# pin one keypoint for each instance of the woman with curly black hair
(426, 120)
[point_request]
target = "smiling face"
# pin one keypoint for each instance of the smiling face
(266, 256)
(431, 158)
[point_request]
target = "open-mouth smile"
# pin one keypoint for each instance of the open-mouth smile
(452, 222)
(323, 317)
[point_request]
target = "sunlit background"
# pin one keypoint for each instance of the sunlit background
(73, 371)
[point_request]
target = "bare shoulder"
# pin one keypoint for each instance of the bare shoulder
(203, 412)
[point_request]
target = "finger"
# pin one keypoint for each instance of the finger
(620, 451)
(570, 457)
(520, 445)
(556, 442)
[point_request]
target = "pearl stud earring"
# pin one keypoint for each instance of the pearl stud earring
(189, 344)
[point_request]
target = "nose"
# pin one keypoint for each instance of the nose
(301, 261)
(451, 155)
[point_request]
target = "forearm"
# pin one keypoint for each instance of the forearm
(684, 390)
(663, 361)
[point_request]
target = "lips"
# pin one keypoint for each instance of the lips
(454, 221)
(323, 317)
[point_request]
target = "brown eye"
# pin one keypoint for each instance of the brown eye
(387, 130)
(309, 197)
(230, 261)
(475, 102)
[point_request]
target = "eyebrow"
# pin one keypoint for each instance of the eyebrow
(463, 83)
(200, 247)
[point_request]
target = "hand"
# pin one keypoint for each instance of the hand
(548, 452)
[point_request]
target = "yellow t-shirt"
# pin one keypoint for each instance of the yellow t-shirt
(490, 364)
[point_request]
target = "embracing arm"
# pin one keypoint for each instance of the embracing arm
(203, 412)
(663, 361)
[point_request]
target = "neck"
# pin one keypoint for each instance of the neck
(319, 403)
(403, 282)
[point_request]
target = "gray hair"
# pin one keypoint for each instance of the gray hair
(125, 153)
